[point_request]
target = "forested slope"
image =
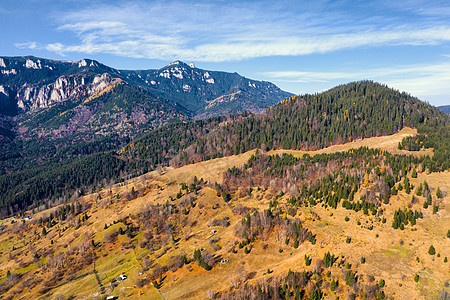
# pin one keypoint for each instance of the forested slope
(347, 112)
(342, 114)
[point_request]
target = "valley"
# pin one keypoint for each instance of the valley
(118, 236)
(182, 183)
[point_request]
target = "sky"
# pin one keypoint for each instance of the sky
(301, 46)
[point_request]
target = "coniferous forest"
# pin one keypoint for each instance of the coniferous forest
(345, 113)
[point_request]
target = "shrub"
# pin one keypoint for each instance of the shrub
(348, 240)
(334, 285)
(347, 218)
(416, 278)
(435, 209)
(307, 260)
(351, 278)
(431, 250)
(156, 284)
(381, 283)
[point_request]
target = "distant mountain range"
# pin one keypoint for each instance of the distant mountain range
(79, 104)
(30, 84)
(445, 108)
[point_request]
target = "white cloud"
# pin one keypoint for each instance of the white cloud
(27, 45)
(423, 81)
(222, 31)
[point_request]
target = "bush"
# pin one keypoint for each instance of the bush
(307, 260)
(346, 219)
(416, 278)
(334, 285)
(431, 250)
(351, 278)
(381, 283)
(348, 240)
(435, 209)
(156, 284)
(381, 295)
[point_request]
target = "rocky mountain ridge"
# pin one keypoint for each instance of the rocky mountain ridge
(29, 84)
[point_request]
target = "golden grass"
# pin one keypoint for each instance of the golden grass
(388, 256)
(388, 143)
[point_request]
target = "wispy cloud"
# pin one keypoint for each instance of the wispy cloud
(423, 81)
(27, 45)
(220, 31)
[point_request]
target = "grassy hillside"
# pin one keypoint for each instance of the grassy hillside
(317, 224)
(346, 113)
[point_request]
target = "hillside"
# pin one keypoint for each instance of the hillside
(348, 112)
(339, 194)
(343, 114)
(320, 224)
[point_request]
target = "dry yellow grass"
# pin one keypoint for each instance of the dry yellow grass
(388, 143)
(386, 256)
(212, 170)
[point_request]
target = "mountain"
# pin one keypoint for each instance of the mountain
(35, 83)
(53, 110)
(445, 108)
(343, 114)
(350, 222)
(203, 93)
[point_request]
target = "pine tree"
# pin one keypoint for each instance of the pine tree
(432, 250)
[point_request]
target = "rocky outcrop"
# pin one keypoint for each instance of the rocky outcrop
(36, 83)
(33, 97)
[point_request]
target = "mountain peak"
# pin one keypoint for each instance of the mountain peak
(88, 63)
(180, 63)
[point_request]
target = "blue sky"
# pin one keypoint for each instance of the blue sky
(302, 46)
